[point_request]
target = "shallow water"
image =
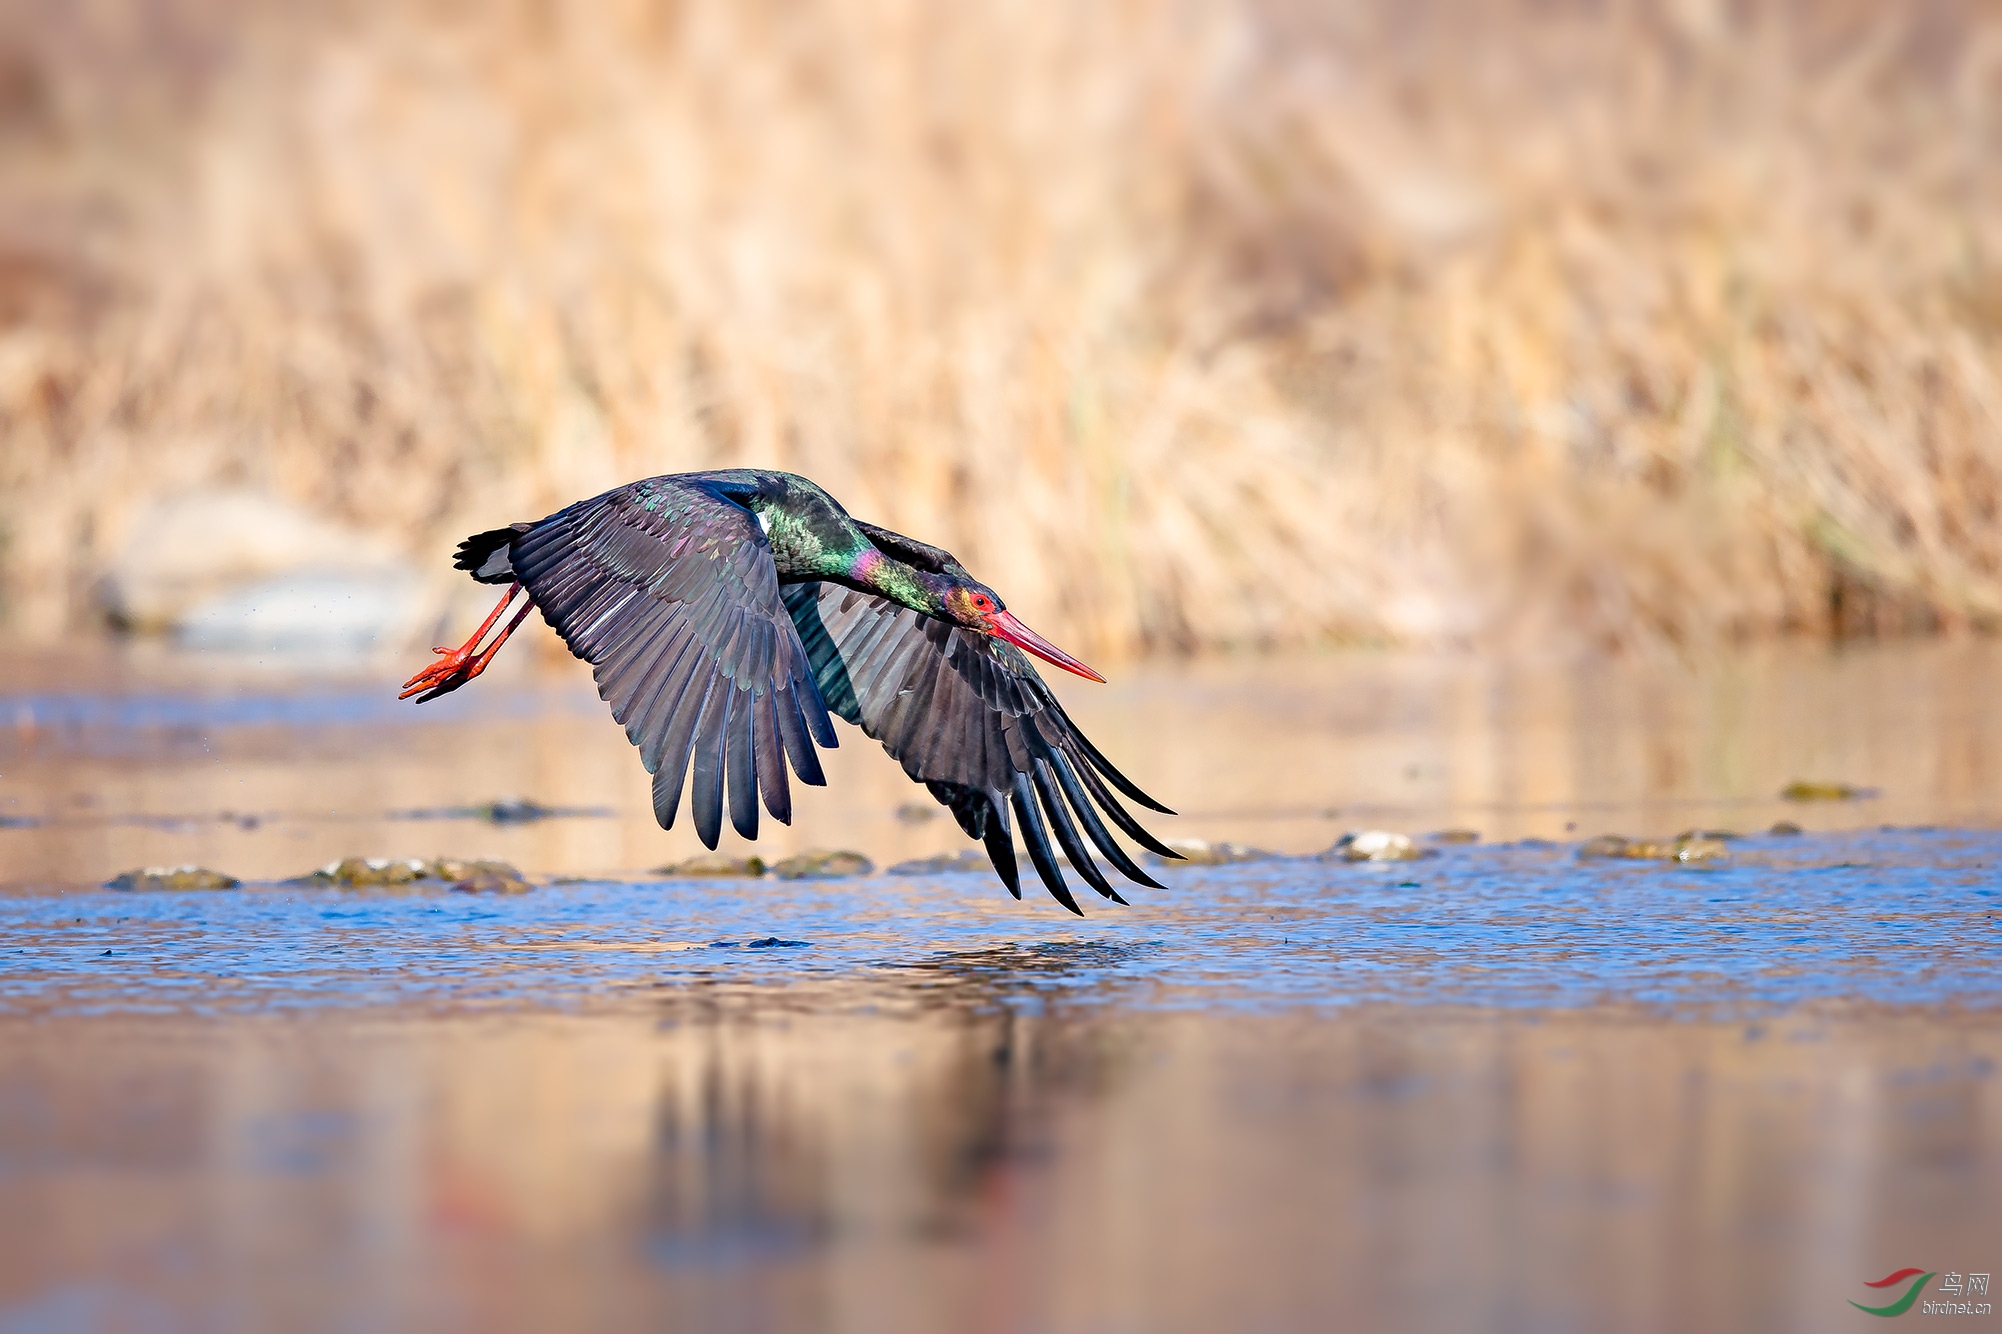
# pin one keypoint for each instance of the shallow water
(1904, 918)
(1497, 1088)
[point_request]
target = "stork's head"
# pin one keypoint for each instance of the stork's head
(979, 608)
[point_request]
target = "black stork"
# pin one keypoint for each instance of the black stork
(724, 614)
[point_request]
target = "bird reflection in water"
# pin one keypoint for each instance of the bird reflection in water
(770, 1142)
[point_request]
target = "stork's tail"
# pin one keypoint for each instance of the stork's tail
(485, 555)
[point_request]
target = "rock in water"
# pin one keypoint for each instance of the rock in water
(481, 876)
(465, 876)
(1201, 852)
(172, 877)
(1457, 836)
(1690, 847)
(823, 866)
(1784, 829)
(371, 872)
(1372, 845)
(945, 863)
(715, 863)
(1700, 848)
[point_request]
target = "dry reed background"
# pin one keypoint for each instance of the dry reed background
(1249, 323)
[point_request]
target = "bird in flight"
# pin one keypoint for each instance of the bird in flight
(726, 614)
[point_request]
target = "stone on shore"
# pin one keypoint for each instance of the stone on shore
(823, 866)
(240, 569)
(481, 876)
(1372, 845)
(469, 876)
(715, 864)
(172, 877)
(1694, 846)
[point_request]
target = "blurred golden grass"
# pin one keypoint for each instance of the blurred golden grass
(1255, 323)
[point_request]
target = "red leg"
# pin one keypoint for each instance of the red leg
(460, 665)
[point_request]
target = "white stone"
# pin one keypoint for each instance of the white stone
(188, 549)
(1373, 845)
(316, 612)
(229, 569)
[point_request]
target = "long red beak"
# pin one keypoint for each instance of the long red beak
(1003, 625)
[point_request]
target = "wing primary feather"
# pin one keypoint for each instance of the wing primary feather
(662, 677)
(763, 666)
(669, 720)
(666, 796)
(678, 737)
(1037, 840)
(1073, 846)
(771, 756)
(705, 799)
(814, 711)
(947, 734)
(1001, 848)
(741, 770)
(798, 745)
(1132, 828)
(1095, 827)
(823, 655)
(621, 670)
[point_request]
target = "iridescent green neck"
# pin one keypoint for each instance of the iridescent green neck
(812, 537)
(871, 569)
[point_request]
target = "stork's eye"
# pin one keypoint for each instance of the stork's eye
(981, 602)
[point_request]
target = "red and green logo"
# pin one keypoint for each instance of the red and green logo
(1919, 1278)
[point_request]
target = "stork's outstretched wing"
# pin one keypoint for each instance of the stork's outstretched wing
(668, 590)
(969, 718)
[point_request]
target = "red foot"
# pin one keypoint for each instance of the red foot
(454, 665)
(460, 665)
